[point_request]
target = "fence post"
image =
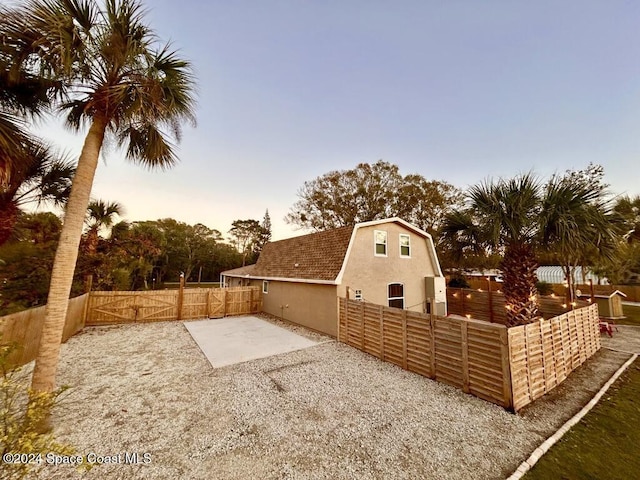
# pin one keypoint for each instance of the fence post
(180, 297)
(381, 317)
(362, 326)
(207, 310)
(462, 295)
(404, 339)
(224, 303)
(432, 339)
(528, 350)
(505, 355)
(85, 308)
(543, 354)
(464, 337)
(345, 316)
(85, 311)
(490, 300)
(339, 325)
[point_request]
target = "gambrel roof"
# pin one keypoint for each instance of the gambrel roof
(315, 258)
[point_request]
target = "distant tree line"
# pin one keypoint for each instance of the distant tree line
(121, 255)
(515, 223)
(372, 192)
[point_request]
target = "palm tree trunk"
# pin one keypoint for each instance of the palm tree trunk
(90, 244)
(519, 271)
(44, 372)
(8, 218)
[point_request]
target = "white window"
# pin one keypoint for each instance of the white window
(380, 237)
(358, 295)
(396, 295)
(265, 286)
(405, 245)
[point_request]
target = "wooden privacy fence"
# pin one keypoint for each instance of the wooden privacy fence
(631, 291)
(25, 328)
(484, 359)
(107, 308)
(543, 354)
(490, 305)
(469, 354)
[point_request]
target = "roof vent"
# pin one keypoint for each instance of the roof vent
(296, 265)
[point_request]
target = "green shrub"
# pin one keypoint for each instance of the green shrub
(544, 288)
(458, 282)
(22, 414)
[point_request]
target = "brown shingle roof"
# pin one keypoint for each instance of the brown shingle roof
(247, 270)
(319, 256)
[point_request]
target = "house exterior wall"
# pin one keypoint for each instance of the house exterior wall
(314, 306)
(238, 282)
(372, 274)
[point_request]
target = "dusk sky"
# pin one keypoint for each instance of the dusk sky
(453, 90)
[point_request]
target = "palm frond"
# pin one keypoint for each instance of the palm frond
(13, 138)
(507, 208)
(575, 218)
(47, 178)
(147, 146)
(101, 213)
(143, 93)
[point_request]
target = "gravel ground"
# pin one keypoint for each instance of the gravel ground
(329, 411)
(625, 338)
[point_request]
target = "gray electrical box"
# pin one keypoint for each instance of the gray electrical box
(436, 288)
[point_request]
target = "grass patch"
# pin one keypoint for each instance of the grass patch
(176, 285)
(605, 442)
(633, 315)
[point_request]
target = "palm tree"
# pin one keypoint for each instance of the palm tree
(99, 214)
(575, 223)
(39, 178)
(28, 170)
(515, 216)
(118, 83)
(23, 94)
(506, 212)
(461, 241)
(627, 214)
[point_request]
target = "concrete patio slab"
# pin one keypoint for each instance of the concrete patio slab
(230, 340)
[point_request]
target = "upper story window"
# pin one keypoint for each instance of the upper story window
(381, 242)
(405, 245)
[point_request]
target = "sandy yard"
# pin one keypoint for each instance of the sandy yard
(328, 411)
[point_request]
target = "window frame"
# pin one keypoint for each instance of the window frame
(390, 298)
(265, 286)
(375, 243)
(408, 237)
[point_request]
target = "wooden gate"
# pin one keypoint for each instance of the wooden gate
(217, 303)
(233, 301)
(108, 308)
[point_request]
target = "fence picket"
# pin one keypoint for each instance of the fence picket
(509, 367)
(108, 308)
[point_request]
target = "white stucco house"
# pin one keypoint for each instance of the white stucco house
(388, 262)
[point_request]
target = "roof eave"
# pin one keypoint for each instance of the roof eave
(283, 279)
